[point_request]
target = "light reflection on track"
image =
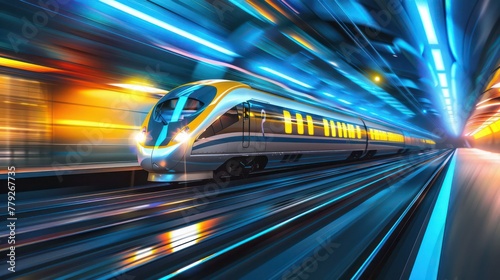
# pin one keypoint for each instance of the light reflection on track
(165, 232)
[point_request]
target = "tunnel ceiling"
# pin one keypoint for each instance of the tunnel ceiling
(423, 65)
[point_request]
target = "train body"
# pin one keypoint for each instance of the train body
(219, 125)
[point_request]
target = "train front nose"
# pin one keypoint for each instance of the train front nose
(161, 159)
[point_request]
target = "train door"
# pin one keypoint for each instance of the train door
(246, 125)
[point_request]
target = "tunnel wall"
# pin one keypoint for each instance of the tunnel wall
(487, 139)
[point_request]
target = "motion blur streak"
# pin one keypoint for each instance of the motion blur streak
(219, 63)
(25, 65)
(281, 224)
(166, 26)
(48, 126)
(160, 231)
(427, 263)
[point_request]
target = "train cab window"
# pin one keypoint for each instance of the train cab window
(176, 109)
(193, 104)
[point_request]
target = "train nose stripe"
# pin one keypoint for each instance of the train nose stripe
(178, 108)
(162, 136)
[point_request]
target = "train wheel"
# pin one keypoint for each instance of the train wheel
(234, 167)
(222, 177)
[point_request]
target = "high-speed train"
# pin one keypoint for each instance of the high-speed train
(219, 125)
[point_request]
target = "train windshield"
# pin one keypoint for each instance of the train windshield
(183, 102)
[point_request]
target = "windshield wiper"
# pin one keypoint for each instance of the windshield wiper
(158, 114)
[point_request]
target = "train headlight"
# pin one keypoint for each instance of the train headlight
(182, 136)
(141, 136)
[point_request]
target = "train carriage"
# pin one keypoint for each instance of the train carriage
(212, 125)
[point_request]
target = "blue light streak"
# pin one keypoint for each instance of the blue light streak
(361, 108)
(328, 94)
(426, 264)
(438, 59)
(425, 16)
(276, 226)
(344, 101)
(166, 26)
(272, 71)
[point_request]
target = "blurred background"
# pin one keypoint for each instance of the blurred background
(78, 77)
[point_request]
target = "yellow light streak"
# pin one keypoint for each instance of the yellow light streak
(103, 125)
(263, 12)
(303, 42)
(11, 63)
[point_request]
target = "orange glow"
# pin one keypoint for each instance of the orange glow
(11, 63)
(182, 238)
(303, 42)
(144, 253)
(277, 8)
(263, 12)
(494, 80)
(487, 105)
(483, 132)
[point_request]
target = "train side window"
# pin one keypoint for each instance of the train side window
(334, 129)
(344, 128)
(339, 127)
(226, 120)
(300, 123)
(287, 117)
(217, 126)
(207, 133)
(310, 125)
(326, 127)
(229, 118)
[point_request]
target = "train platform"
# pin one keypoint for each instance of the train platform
(461, 240)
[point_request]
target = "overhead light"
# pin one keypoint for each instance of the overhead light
(448, 101)
(11, 63)
(442, 80)
(285, 77)
(376, 78)
(438, 59)
(166, 26)
(446, 92)
(425, 16)
(142, 88)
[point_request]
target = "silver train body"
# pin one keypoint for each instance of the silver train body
(225, 126)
